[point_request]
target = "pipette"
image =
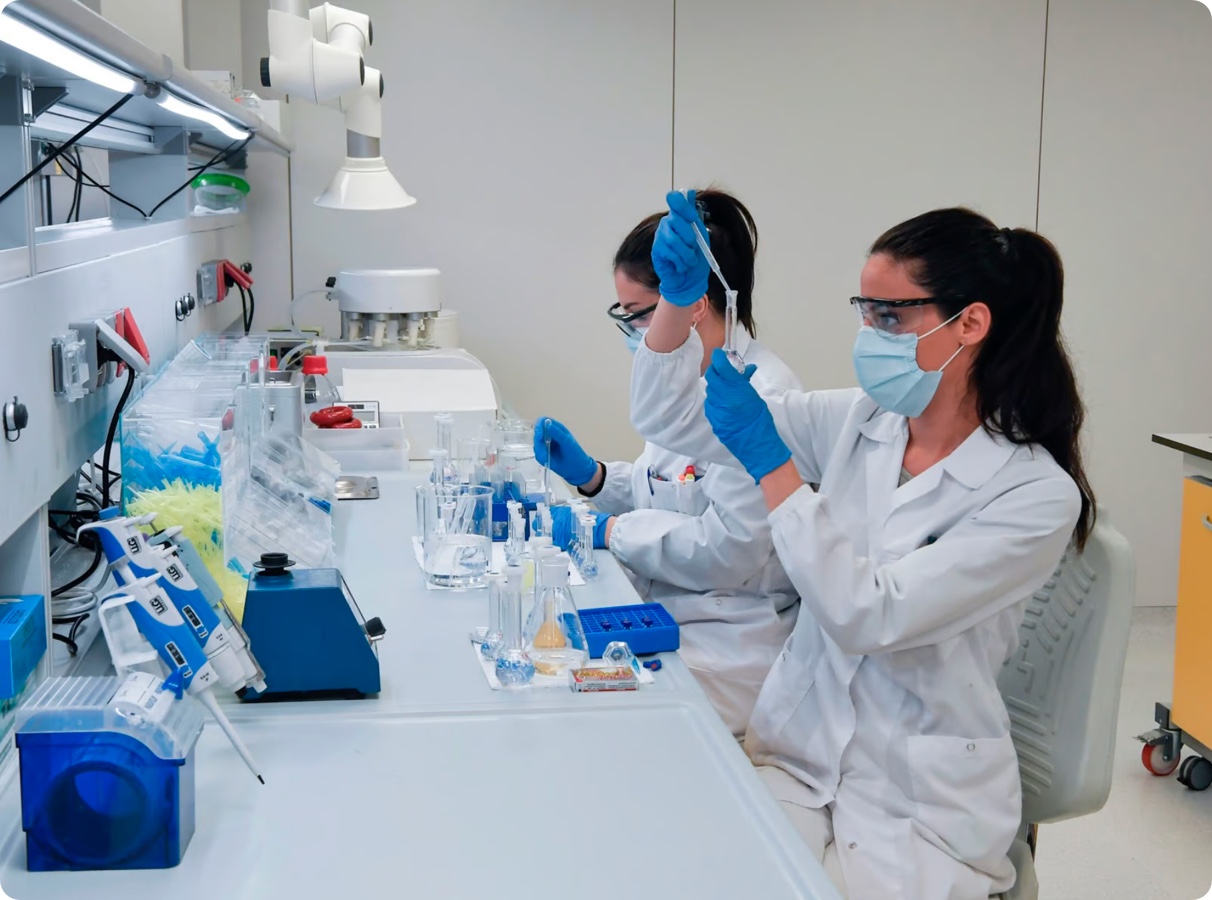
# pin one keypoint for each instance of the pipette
(547, 466)
(730, 304)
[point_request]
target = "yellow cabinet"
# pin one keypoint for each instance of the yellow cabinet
(1192, 710)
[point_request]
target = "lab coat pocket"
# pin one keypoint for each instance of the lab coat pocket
(790, 679)
(675, 496)
(968, 794)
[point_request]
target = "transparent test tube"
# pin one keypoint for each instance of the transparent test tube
(514, 667)
(588, 561)
(730, 304)
(515, 543)
(494, 638)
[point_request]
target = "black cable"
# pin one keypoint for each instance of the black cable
(245, 318)
(78, 196)
(72, 649)
(109, 437)
(48, 201)
(88, 573)
(104, 188)
(219, 158)
(63, 148)
(252, 310)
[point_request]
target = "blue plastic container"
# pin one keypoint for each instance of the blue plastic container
(647, 628)
(101, 789)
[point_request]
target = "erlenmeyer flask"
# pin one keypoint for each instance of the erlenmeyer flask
(555, 640)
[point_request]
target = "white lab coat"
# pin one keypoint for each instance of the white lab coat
(704, 551)
(884, 703)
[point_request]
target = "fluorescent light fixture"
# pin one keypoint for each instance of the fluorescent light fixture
(364, 183)
(36, 43)
(179, 107)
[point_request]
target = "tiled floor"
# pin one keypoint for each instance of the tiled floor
(1153, 839)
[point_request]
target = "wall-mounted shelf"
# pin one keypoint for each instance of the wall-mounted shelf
(75, 25)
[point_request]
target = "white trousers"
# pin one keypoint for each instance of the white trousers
(814, 825)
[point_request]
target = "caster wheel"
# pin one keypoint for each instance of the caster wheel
(1195, 773)
(1151, 757)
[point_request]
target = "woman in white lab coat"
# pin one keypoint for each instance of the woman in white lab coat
(950, 486)
(698, 544)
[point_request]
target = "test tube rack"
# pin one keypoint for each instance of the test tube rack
(646, 627)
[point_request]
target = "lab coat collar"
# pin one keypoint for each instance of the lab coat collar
(972, 463)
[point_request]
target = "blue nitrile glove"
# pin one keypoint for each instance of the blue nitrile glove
(676, 256)
(563, 527)
(741, 419)
(568, 460)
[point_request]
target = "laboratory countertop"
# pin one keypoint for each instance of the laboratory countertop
(441, 787)
(1199, 445)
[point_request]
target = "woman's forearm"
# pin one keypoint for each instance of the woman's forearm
(781, 484)
(670, 327)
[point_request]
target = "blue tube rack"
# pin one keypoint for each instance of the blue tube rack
(647, 628)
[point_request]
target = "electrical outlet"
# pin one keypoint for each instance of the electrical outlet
(69, 364)
(212, 287)
(100, 374)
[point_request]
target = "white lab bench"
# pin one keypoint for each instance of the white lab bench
(441, 787)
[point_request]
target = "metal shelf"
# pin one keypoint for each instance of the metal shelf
(76, 25)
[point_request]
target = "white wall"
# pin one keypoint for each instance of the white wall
(534, 135)
(158, 24)
(1126, 195)
(835, 121)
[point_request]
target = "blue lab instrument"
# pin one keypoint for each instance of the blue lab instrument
(310, 635)
(107, 774)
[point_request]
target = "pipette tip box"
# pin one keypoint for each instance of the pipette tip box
(646, 628)
(22, 640)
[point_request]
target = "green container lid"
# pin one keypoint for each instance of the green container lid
(220, 180)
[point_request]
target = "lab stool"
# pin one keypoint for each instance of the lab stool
(1062, 687)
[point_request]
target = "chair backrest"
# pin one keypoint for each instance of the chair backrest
(1062, 684)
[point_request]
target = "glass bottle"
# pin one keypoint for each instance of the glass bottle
(555, 639)
(514, 667)
(318, 390)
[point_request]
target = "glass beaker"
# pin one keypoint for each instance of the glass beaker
(555, 640)
(472, 461)
(456, 528)
(514, 667)
(515, 437)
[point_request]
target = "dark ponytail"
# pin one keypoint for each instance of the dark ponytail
(733, 236)
(1024, 382)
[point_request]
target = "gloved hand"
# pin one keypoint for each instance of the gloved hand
(564, 529)
(741, 419)
(676, 256)
(568, 460)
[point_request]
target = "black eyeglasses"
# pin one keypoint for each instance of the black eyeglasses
(896, 316)
(623, 319)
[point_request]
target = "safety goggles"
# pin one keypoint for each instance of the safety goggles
(895, 316)
(624, 319)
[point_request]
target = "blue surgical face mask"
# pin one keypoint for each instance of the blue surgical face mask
(635, 339)
(887, 369)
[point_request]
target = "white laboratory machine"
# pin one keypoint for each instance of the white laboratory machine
(400, 348)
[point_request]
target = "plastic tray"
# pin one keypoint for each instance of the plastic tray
(647, 628)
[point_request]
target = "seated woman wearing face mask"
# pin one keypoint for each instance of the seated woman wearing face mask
(698, 545)
(950, 485)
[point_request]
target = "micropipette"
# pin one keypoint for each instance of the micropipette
(730, 304)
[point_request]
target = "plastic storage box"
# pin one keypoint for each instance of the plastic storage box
(647, 628)
(22, 640)
(104, 789)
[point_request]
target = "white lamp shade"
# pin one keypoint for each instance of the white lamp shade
(364, 184)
